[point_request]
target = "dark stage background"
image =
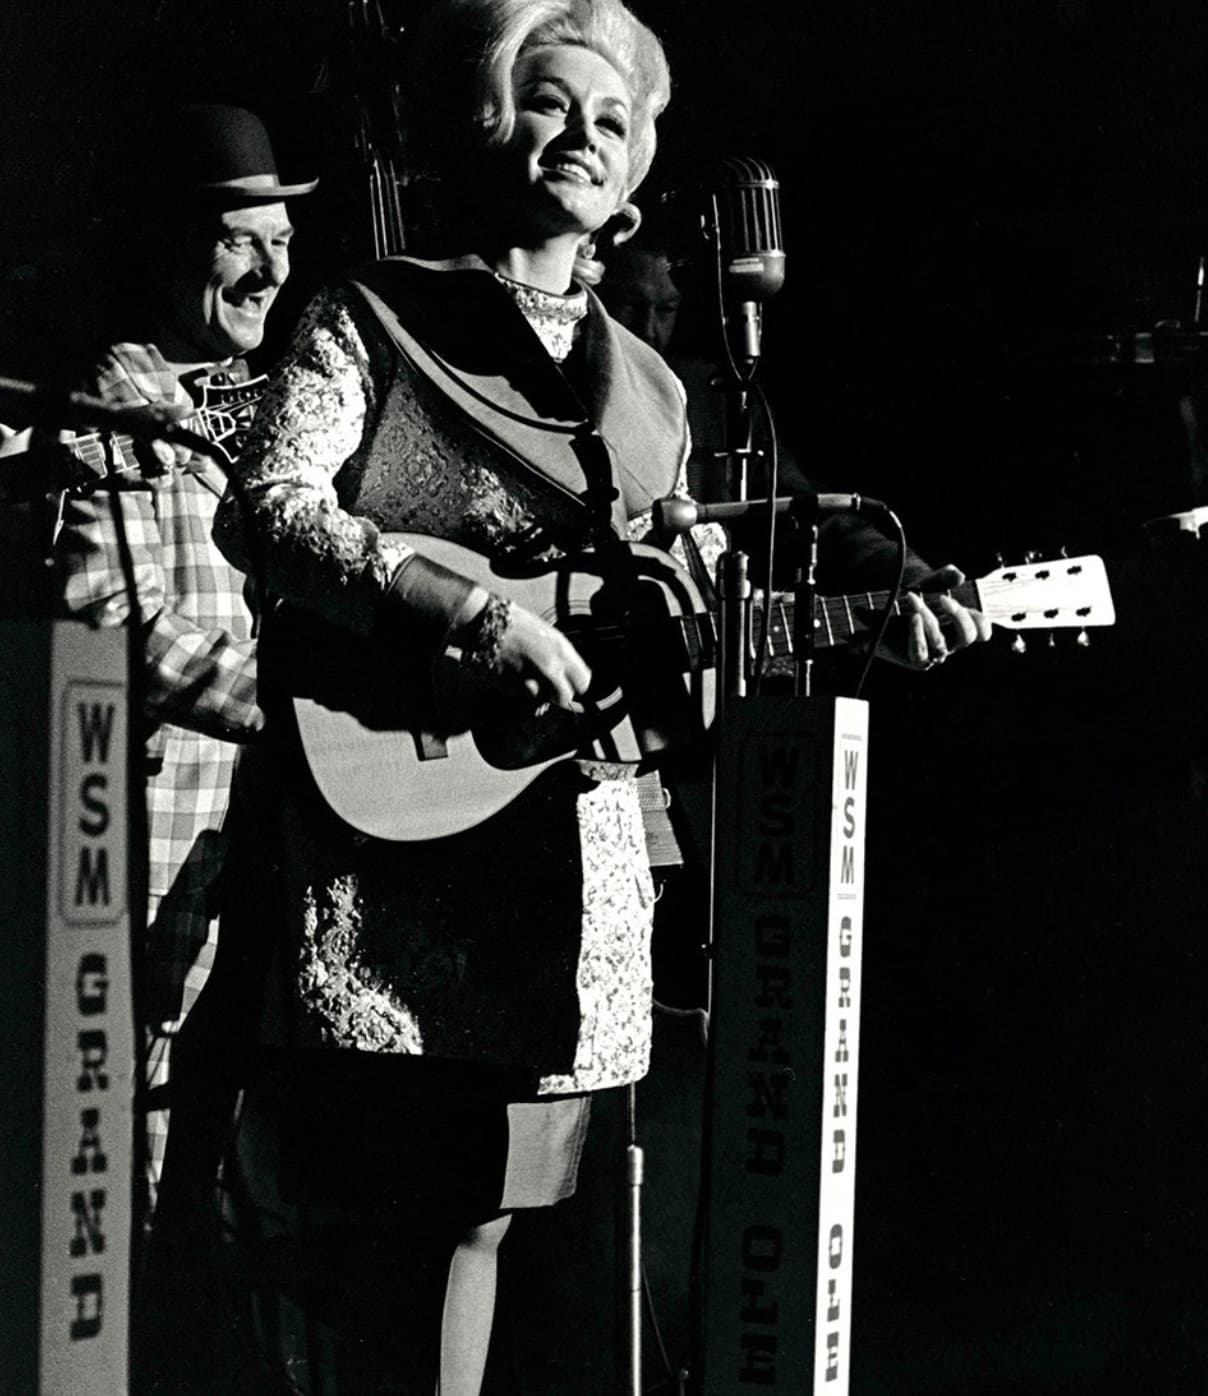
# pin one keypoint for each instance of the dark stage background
(983, 203)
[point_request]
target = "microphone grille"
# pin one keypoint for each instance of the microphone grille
(749, 228)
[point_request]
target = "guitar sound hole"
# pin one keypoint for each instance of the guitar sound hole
(599, 648)
(512, 738)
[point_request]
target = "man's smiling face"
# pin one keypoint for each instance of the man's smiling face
(220, 303)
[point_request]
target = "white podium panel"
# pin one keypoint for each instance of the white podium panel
(784, 1035)
(66, 1032)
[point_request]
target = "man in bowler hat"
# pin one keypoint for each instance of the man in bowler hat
(214, 238)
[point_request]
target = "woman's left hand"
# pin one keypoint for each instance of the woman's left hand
(933, 624)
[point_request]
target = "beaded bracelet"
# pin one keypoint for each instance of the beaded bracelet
(482, 637)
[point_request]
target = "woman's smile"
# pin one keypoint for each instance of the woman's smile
(569, 147)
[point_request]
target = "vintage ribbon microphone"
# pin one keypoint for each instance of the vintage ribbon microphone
(745, 229)
(742, 225)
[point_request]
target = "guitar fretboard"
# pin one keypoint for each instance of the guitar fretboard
(837, 619)
(91, 451)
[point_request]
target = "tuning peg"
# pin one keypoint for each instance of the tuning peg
(1063, 551)
(1083, 640)
(1052, 639)
(1019, 645)
(1031, 555)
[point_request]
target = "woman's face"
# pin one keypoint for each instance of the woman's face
(566, 163)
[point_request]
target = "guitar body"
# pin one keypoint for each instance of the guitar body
(404, 755)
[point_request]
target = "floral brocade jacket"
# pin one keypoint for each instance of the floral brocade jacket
(421, 398)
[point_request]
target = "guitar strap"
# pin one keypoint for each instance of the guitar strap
(480, 414)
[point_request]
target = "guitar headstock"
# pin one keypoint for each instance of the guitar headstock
(1064, 592)
(225, 411)
(215, 393)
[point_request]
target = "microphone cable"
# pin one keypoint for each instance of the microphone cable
(137, 867)
(773, 490)
(891, 603)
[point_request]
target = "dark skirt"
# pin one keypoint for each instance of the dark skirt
(353, 1178)
(422, 1138)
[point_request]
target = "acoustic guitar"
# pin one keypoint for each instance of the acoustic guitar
(404, 756)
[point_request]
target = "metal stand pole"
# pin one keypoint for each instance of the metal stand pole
(629, 1252)
(805, 515)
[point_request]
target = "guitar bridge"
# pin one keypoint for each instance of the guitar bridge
(430, 747)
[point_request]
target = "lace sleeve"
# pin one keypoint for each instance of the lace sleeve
(322, 400)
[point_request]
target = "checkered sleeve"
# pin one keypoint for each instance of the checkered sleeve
(200, 659)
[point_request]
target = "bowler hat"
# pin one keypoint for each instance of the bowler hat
(221, 151)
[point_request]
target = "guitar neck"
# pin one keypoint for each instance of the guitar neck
(221, 417)
(91, 450)
(837, 619)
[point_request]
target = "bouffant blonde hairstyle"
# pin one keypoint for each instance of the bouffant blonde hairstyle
(460, 89)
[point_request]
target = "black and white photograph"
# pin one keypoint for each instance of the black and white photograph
(604, 698)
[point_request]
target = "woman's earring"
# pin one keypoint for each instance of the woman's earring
(625, 223)
(588, 267)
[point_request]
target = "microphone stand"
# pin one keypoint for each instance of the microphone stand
(785, 927)
(740, 428)
(771, 1305)
(661, 722)
(629, 1250)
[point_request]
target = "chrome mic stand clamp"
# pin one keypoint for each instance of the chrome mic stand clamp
(804, 512)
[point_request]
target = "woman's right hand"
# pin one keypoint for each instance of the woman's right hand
(525, 653)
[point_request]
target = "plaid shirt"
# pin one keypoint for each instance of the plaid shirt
(200, 675)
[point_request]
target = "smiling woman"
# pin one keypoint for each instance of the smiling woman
(483, 983)
(564, 170)
(455, 126)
